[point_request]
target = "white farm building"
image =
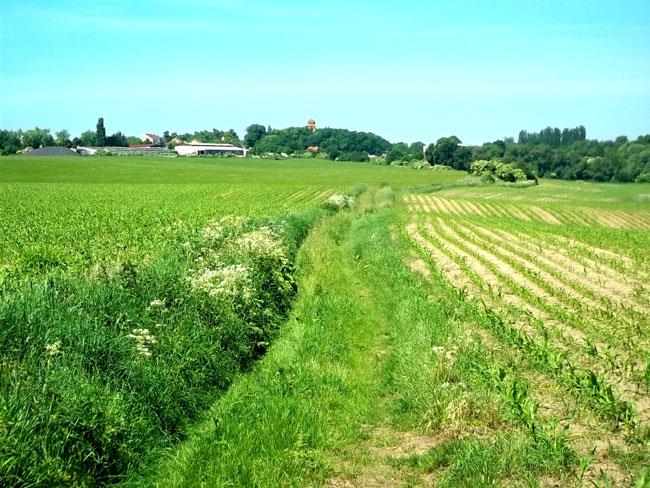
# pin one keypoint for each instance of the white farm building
(208, 148)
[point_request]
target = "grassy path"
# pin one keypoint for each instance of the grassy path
(315, 391)
(379, 378)
(324, 386)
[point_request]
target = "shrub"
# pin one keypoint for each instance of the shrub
(487, 178)
(337, 202)
(356, 156)
(497, 169)
(482, 166)
(643, 178)
(414, 164)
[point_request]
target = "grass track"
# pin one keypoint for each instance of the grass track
(356, 391)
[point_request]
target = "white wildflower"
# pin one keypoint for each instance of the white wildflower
(232, 282)
(451, 354)
(261, 243)
(339, 201)
(143, 341)
(226, 227)
(438, 349)
(53, 349)
(156, 303)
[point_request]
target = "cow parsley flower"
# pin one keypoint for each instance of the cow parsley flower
(53, 349)
(261, 243)
(143, 341)
(227, 227)
(229, 282)
(338, 201)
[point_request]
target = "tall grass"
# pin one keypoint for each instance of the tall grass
(97, 375)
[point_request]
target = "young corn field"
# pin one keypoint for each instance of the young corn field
(559, 276)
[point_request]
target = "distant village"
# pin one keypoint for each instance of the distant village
(152, 144)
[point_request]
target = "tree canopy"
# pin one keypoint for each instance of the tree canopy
(572, 156)
(254, 133)
(297, 139)
(100, 133)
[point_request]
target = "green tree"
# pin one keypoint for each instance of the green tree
(117, 140)
(330, 140)
(416, 151)
(461, 158)
(254, 133)
(399, 152)
(37, 137)
(88, 138)
(9, 141)
(62, 138)
(100, 134)
(444, 150)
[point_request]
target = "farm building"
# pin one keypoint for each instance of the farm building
(207, 148)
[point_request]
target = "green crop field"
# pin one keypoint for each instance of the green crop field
(249, 322)
(75, 214)
(561, 270)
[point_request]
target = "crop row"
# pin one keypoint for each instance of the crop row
(583, 216)
(538, 301)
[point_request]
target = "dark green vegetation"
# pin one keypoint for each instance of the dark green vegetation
(336, 143)
(568, 155)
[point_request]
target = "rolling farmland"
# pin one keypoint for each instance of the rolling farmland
(73, 215)
(178, 323)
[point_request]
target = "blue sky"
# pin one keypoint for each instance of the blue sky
(407, 70)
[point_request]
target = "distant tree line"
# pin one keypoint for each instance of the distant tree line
(550, 153)
(213, 136)
(447, 151)
(553, 137)
(568, 154)
(12, 141)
